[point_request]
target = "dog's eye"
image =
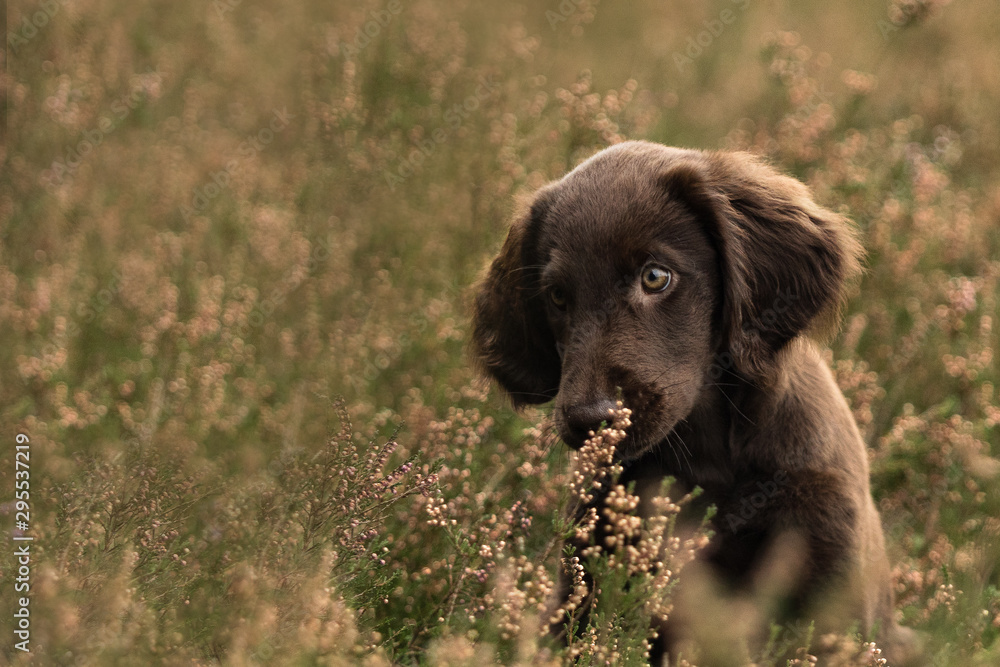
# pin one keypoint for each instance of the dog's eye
(558, 297)
(655, 278)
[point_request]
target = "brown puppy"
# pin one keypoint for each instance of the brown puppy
(687, 281)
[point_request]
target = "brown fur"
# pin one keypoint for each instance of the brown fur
(727, 391)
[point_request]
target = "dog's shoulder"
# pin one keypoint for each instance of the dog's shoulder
(802, 420)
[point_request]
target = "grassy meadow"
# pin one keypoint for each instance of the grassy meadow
(238, 244)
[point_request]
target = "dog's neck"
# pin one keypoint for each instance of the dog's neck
(703, 439)
(703, 449)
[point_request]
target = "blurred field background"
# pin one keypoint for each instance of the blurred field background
(237, 244)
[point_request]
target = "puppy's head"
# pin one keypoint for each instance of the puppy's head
(649, 272)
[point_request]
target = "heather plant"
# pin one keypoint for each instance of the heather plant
(236, 344)
(624, 592)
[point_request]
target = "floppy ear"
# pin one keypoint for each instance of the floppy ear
(511, 337)
(785, 259)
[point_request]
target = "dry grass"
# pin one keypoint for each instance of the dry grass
(218, 218)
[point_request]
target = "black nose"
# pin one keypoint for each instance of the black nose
(580, 420)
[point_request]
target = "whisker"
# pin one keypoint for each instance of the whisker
(736, 407)
(528, 267)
